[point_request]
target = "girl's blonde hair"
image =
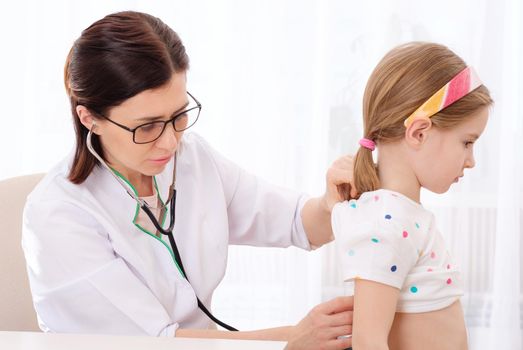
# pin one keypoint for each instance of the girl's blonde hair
(401, 82)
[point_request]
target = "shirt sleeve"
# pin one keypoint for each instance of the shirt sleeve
(371, 245)
(78, 283)
(259, 213)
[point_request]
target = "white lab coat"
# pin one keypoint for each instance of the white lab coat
(91, 270)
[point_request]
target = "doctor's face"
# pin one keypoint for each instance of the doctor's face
(160, 104)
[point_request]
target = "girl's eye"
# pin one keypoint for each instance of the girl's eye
(468, 143)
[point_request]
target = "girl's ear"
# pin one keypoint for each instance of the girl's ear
(416, 133)
(86, 118)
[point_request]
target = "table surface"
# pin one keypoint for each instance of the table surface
(51, 341)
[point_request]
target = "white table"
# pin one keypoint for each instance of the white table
(48, 341)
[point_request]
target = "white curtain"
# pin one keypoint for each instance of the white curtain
(281, 84)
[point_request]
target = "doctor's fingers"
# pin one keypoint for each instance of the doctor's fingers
(346, 165)
(344, 161)
(339, 344)
(344, 181)
(340, 319)
(336, 305)
(339, 331)
(339, 176)
(336, 176)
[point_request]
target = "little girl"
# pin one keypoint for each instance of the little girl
(423, 110)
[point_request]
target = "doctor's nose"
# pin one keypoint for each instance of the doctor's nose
(169, 138)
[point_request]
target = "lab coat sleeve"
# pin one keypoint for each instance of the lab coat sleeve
(259, 213)
(79, 284)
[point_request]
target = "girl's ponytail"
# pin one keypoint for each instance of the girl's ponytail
(365, 171)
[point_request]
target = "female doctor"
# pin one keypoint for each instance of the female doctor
(129, 235)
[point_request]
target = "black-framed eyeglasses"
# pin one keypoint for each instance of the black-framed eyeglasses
(151, 131)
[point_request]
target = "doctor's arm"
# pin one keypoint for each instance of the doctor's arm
(261, 214)
(316, 213)
(320, 329)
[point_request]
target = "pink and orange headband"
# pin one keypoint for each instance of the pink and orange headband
(461, 85)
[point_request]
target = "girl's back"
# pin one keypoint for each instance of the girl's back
(434, 330)
(389, 239)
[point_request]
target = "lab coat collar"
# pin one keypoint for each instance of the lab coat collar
(103, 181)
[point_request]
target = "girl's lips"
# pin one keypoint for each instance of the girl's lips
(457, 179)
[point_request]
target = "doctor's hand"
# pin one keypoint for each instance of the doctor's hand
(316, 213)
(323, 325)
(340, 179)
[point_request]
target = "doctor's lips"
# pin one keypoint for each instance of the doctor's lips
(162, 160)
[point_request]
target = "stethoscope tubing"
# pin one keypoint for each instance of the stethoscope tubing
(167, 232)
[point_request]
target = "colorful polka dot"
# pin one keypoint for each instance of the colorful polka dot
(351, 252)
(375, 240)
(376, 198)
(448, 266)
(388, 217)
(405, 234)
(353, 205)
(393, 268)
(449, 281)
(433, 255)
(413, 289)
(417, 225)
(429, 270)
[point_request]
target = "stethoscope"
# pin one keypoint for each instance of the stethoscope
(171, 200)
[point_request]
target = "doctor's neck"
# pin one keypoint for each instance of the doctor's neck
(143, 184)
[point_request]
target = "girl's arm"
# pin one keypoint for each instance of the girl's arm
(374, 310)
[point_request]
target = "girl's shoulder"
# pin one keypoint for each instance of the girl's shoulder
(382, 207)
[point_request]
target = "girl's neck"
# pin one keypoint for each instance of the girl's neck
(395, 172)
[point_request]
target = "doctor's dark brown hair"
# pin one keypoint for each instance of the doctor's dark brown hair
(114, 59)
(401, 82)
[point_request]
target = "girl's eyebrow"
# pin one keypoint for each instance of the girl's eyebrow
(154, 118)
(473, 136)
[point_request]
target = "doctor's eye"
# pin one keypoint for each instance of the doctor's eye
(148, 132)
(181, 121)
(151, 127)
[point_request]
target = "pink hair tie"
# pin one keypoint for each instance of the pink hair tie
(369, 144)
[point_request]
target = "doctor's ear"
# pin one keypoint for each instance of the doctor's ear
(416, 133)
(87, 119)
